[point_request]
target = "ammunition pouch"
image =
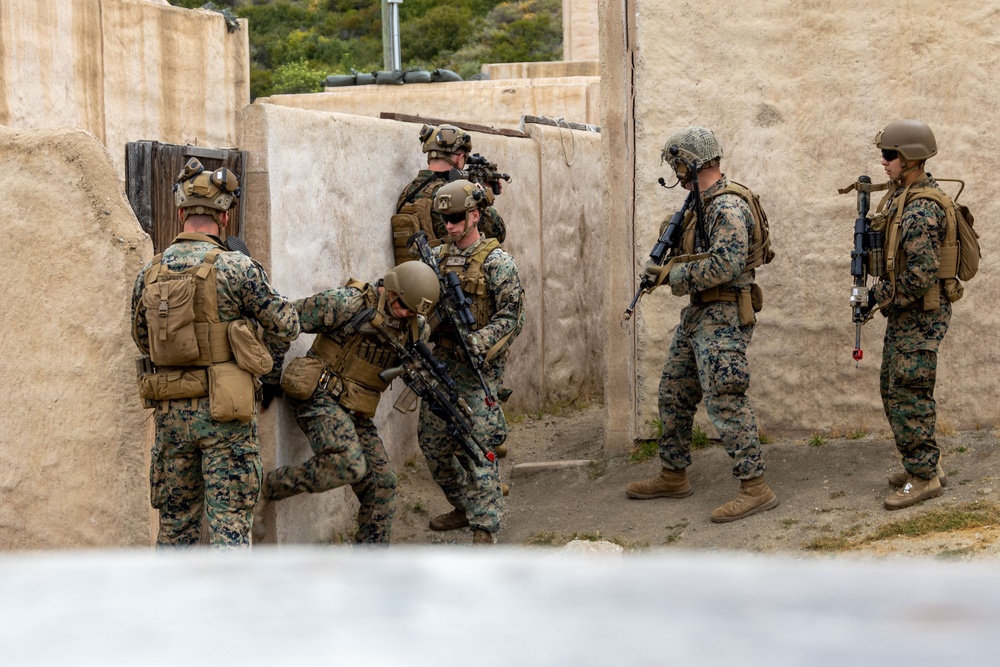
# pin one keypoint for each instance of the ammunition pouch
(301, 377)
(248, 348)
(168, 385)
(231, 393)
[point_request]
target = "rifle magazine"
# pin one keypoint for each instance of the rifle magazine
(407, 401)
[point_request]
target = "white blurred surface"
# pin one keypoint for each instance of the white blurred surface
(458, 606)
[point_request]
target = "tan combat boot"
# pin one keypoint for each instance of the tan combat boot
(755, 496)
(915, 490)
(899, 480)
(453, 520)
(668, 484)
(480, 536)
(505, 490)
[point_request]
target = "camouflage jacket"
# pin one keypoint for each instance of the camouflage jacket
(491, 224)
(922, 233)
(503, 286)
(729, 230)
(243, 292)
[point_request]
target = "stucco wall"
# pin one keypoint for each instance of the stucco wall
(124, 70)
(73, 437)
(499, 103)
(580, 20)
(795, 93)
(329, 222)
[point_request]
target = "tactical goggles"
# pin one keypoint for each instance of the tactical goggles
(454, 218)
(889, 155)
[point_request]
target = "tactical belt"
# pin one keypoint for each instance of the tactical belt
(714, 294)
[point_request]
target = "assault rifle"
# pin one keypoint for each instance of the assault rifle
(480, 170)
(668, 241)
(453, 307)
(429, 379)
(671, 236)
(866, 254)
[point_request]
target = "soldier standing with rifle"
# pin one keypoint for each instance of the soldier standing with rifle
(718, 245)
(472, 341)
(448, 151)
(336, 387)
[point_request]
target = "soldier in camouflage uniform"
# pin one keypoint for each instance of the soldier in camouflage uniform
(918, 313)
(489, 277)
(335, 389)
(201, 464)
(447, 147)
(707, 356)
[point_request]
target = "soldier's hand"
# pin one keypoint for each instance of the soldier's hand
(654, 274)
(270, 392)
(476, 345)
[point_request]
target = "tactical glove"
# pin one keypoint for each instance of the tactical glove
(270, 392)
(676, 287)
(654, 274)
(476, 346)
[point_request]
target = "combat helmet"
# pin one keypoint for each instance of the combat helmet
(444, 140)
(199, 192)
(416, 284)
(694, 146)
(458, 197)
(912, 138)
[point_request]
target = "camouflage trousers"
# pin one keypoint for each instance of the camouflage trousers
(201, 467)
(906, 382)
(707, 358)
(346, 450)
(469, 485)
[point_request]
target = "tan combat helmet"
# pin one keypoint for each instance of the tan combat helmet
(444, 141)
(416, 284)
(912, 138)
(198, 192)
(458, 197)
(695, 146)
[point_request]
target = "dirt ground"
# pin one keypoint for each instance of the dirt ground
(830, 493)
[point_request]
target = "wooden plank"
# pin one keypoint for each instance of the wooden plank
(138, 159)
(471, 127)
(548, 466)
(556, 122)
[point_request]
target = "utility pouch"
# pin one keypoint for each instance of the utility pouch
(932, 298)
(411, 218)
(301, 377)
(953, 290)
(170, 385)
(362, 387)
(169, 304)
(745, 304)
(756, 297)
(248, 348)
(231, 395)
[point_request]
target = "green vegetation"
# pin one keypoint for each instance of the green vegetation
(963, 517)
(857, 434)
(295, 44)
(817, 440)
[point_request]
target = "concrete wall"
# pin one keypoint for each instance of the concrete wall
(796, 92)
(580, 29)
(74, 456)
(124, 70)
(329, 222)
(492, 103)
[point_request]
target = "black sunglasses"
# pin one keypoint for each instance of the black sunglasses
(889, 155)
(453, 218)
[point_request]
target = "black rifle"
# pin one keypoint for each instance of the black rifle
(867, 243)
(480, 170)
(453, 307)
(668, 240)
(429, 379)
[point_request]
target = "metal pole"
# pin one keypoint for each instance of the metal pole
(394, 62)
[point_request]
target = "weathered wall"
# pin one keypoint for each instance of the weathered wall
(124, 70)
(493, 103)
(580, 21)
(796, 92)
(330, 222)
(73, 437)
(542, 70)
